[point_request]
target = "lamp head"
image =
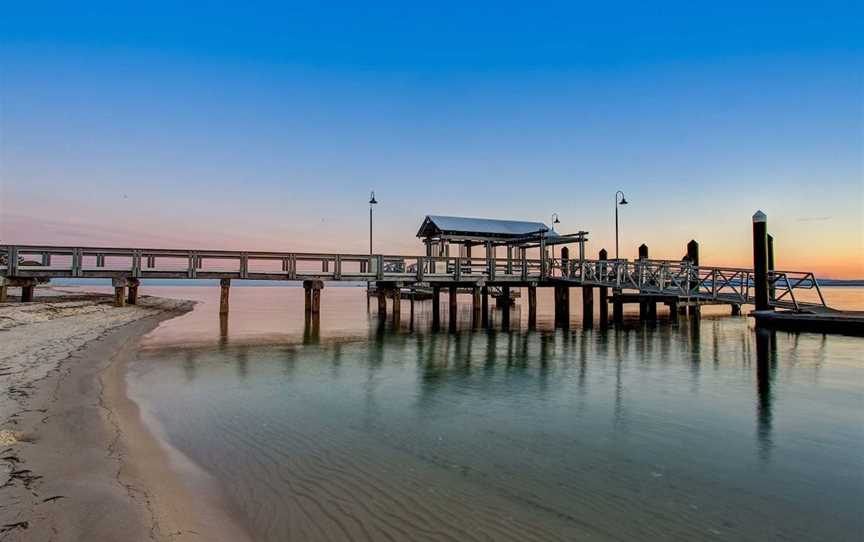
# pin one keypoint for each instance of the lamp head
(623, 201)
(372, 200)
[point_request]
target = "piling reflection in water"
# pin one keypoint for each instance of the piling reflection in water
(640, 431)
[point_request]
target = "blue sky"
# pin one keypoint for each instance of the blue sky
(266, 125)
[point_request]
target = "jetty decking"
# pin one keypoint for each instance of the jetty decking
(653, 280)
(682, 285)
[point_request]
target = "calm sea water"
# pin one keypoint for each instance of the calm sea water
(359, 429)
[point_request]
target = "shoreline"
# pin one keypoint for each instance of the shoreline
(77, 460)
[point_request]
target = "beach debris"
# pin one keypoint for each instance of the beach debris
(12, 526)
(54, 498)
(8, 437)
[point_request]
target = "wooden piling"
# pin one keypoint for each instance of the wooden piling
(588, 306)
(312, 290)
(617, 310)
(4, 290)
(603, 292)
(436, 306)
(562, 304)
(27, 293)
(532, 305)
(772, 290)
(119, 291)
(505, 309)
(693, 256)
(225, 290)
(397, 303)
(476, 305)
(382, 301)
(132, 298)
(673, 310)
(647, 306)
(484, 302)
(452, 312)
(736, 309)
(760, 260)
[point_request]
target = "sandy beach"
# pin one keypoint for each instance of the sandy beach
(76, 460)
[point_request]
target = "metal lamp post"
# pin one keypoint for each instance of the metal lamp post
(622, 201)
(372, 201)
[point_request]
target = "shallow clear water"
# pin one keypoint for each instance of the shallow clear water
(359, 429)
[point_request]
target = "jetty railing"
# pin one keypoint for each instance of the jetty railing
(681, 279)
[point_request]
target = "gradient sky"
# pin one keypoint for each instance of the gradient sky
(264, 126)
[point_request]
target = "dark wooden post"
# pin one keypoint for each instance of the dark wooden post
(312, 289)
(452, 312)
(119, 291)
(27, 292)
(436, 306)
(4, 290)
(673, 310)
(475, 304)
(532, 305)
(132, 299)
(772, 290)
(397, 303)
(382, 300)
(505, 309)
(693, 256)
(565, 261)
(643, 303)
(617, 309)
(225, 287)
(484, 301)
(588, 306)
(604, 294)
(760, 260)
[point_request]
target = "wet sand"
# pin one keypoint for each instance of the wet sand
(76, 461)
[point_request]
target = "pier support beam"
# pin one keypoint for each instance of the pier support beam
(673, 310)
(772, 290)
(532, 306)
(588, 306)
(647, 306)
(484, 302)
(132, 298)
(119, 291)
(617, 310)
(603, 292)
(476, 305)
(505, 309)
(27, 293)
(312, 291)
(396, 293)
(436, 306)
(4, 289)
(381, 294)
(562, 304)
(224, 292)
(693, 256)
(452, 313)
(736, 309)
(760, 260)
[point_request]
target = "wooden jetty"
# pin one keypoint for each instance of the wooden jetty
(463, 255)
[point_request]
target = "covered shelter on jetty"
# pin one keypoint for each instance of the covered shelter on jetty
(439, 232)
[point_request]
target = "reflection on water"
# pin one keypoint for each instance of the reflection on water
(353, 426)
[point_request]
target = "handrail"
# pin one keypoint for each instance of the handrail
(661, 277)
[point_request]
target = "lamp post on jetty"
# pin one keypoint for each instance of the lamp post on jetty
(622, 201)
(372, 201)
(555, 220)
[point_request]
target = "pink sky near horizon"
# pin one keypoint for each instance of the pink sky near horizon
(828, 258)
